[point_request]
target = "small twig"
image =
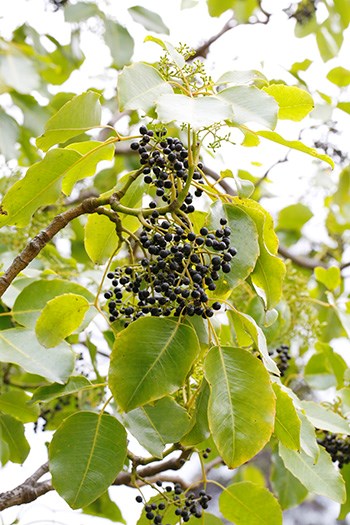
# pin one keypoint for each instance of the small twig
(300, 260)
(203, 50)
(280, 161)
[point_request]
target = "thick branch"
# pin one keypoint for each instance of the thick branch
(34, 246)
(28, 491)
(299, 260)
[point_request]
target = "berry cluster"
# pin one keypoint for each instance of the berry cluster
(184, 505)
(165, 162)
(282, 357)
(177, 271)
(337, 446)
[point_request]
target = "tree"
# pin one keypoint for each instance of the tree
(181, 315)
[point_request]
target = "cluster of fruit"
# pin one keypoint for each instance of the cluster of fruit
(175, 276)
(282, 357)
(184, 505)
(337, 446)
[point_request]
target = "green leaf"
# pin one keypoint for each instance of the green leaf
(17, 71)
(325, 369)
(120, 43)
(139, 87)
(100, 238)
(199, 112)
(85, 455)
(246, 503)
(321, 478)
(9, 135)
(324, 418)
(12, 432)
(79, 114)
(60, 317)
(92, 152)
(330, 277)
(104, 507)
(150, 359)
(293, 217)
(287, 423)
(47, 393)
(308, 439)
(34, 297)
(295, 144)
(269, 270)
(19, 346)
(249, 104)
(288, 489)
(150, 20)
(15, 403)
(75, 13)
(345, 508)
(339, 76)
(244, 326)
(240, 78)
(199, 430)
(217, 7)
(344, 106)
(174, 55)
(294, 103)
(156, 425)
(238, 380)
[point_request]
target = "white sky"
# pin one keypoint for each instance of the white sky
(270, 48)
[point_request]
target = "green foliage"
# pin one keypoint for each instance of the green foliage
(207, 342)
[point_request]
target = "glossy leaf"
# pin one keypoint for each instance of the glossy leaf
(49, 392)
(15, 403)
(150, 359)
(320, 478)
(12, 432)
(100, 238)
(33, 298)
(150, 20)
(199, 112)
(104, 507)
(79, 114)
(19, 346)
(60, 317)
(294, 103)
(246, 503)
(238, 380)
(156, 425)
(295, 144)
(288, 489)
(85, 456)
(120, 43)
(199, 430)
(293, 217)
(339, 76)
(330, 277)
(249, 104)
(287, 423)
(324, 418)
(140, 86)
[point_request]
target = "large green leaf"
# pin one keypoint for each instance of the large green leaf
(269, 270)
(156, 425)
(287, 422)
(120, 43)
(199, 112)
(9, 134)
(199, 430)
(19, 346)
(12, 432)
(295, 144)
(246, 503)
(33, 298)
(79, 114)
(241, 405)
(60, 317)
(17, 71)
(86, 453)
(149, 19)
(49, 392)
(100, 238)
(294, 103)
(321, 478)
(139, 87)
(150, 359)
(251, 105)
(308, 440)
(324, 418)
(104, 507)
(15, 404)
(288, 489)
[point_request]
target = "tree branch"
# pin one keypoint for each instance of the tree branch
(28, 491)
(299, 260)
(203, 50)
(36, 244)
